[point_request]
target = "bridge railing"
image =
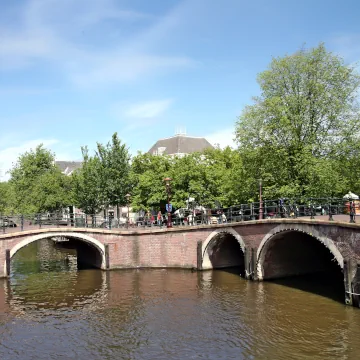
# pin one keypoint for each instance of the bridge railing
(325, 208)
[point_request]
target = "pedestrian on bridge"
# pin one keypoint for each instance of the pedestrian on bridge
(159, 218)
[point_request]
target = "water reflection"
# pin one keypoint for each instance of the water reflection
(52, 310)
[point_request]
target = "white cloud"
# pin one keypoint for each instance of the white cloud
(223, 138)
(79, 13)
(149, 109)
(9, 155)
(124, 67)
(61, 33)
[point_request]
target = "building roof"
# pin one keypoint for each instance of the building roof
(179, 144)
(67, 167)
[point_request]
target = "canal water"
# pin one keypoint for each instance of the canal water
(50, 310)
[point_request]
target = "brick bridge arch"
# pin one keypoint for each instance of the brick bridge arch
(284, 229)
(70, 235)
(189, 247)
(206, 263)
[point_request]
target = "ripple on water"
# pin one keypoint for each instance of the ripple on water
(168, 314)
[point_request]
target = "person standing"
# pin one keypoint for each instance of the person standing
(159, 218)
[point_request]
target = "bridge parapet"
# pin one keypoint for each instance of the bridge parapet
(343, 209)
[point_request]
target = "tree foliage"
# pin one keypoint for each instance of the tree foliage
(6, 198)
(298, 131)
(114, 160)
(37, 184)
(147, 176)
(87, 186)
(104, 178)
(211, 178)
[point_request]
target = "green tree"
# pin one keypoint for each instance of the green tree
(226, 175)
(114, 159)
(147, 176)
(349, 164)
(306, 115)
(37, 183)
(211, 178)
(188, 180)
(87, 189)
(52, 191)
(6, 198)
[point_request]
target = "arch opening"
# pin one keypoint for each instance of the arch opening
(68, 250)
(224, 251)
(300, 260)
(88, 256)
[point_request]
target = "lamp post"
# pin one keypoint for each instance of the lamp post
(127, 203)
(261, 211)
(168, 192)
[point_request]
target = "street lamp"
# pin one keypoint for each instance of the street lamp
(168, 192)
(261, 211)
(128, 196)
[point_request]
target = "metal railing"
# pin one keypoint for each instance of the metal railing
(330, 209)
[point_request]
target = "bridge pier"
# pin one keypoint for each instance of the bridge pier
(199, 255)
(356, 287)
(250, 263)
(352, 282)
(7, 261)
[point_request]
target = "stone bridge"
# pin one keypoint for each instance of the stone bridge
(262, 249)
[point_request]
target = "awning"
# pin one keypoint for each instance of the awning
(351, 195)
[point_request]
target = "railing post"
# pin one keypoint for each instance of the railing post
(278, 209)
(3, 223)
(330, 211)
(241, 212)
(311, 209)
(22, 222)
(295, 209)
(265, 209)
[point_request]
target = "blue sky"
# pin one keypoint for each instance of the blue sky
(72, 72)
